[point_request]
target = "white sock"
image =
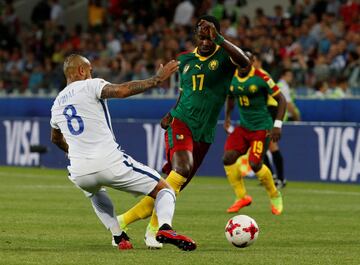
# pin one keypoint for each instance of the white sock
(104, 209)
(165, 206)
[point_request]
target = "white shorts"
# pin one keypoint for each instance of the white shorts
(126, 175)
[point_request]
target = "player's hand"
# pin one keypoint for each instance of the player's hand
(228, 127)
(166, 121)
(275, 134)
(165, 71)
(208, 28)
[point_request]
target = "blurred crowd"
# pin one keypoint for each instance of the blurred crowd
(128, 39)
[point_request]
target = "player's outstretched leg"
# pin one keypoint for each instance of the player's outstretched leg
(265, 177)
(236, 180)
(104, 209)
(165, 207)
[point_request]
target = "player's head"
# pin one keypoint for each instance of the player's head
(203, 41)
(76, 67)
(287, 75)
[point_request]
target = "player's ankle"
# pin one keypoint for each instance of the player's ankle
(165, 227)
(123, 235)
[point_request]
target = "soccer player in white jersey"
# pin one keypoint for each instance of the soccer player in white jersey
(81, 127)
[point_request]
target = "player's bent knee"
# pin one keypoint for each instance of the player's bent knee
(229, 158)
(255, 166)
(184, 170)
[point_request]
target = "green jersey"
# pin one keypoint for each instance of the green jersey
(204, 82)
(252, 94)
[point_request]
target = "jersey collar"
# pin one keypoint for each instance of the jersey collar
(243, 79)
(203, 58)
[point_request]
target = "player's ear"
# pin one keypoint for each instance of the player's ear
(81, 70)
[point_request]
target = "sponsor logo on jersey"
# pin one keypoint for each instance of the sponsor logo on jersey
(240, 88)
(180, 137)
(213, 65)
(186, 68)
(253, 88)
(198, 66)
(231, 88)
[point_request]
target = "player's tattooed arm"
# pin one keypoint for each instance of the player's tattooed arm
(58, 139)
(139, 86)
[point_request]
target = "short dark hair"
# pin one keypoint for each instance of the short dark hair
(211, 19)
(285, 71)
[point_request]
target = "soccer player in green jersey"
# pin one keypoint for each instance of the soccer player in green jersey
(205, 75)
(274, 148)
(251, 88)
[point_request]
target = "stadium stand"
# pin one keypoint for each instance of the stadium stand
(319, 40)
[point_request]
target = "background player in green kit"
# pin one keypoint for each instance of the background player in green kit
(251, 89)
(205, 76)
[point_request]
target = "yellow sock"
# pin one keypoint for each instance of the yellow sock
(236, 181)
(265, 177)
(243, 163)
(175, 180)
(141, 210)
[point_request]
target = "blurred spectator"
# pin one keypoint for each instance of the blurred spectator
(41, 12)
(317, 40)
(56, 13)
(321, 69)
(36, 79)
(12, 81)
(352, 70)
(184, 13)
(349, 11)
(10, 19)
(341, 89)
(113, 45)
(298, 16)
(284, 83)
(96, 15)
(321, 90)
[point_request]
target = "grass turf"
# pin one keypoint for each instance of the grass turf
(44, 219)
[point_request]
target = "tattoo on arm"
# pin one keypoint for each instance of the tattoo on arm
(129, 88)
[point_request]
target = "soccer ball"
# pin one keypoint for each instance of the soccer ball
(241, 231)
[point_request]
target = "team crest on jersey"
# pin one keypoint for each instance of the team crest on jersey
(213, 65)
(253, 88)
(186, 68)
(180, 137)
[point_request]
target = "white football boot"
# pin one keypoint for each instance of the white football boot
(150, 238)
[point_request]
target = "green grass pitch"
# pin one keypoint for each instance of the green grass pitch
(44, 219)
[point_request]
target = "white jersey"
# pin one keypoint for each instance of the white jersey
(84, 120)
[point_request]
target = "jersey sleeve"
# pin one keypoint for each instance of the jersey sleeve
(271, 86)
(53, 124)
(285, 90)
(95, 86)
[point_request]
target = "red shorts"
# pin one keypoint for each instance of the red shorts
(242, 139)
(178, 137)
